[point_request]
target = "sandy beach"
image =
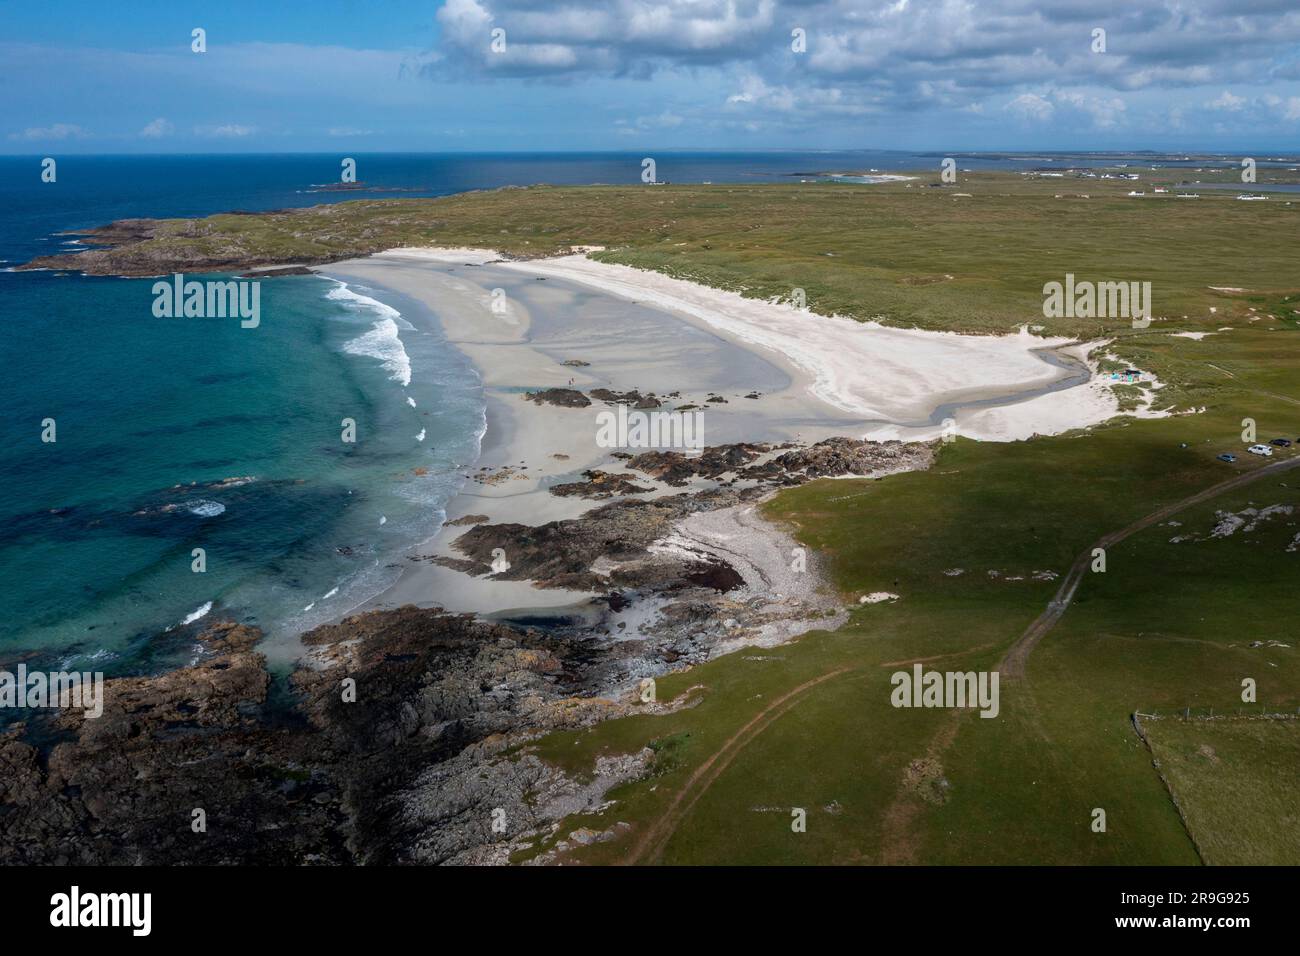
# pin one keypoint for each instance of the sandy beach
(761, 372)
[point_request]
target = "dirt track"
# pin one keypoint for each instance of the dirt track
(1013, 663)
(650, 846)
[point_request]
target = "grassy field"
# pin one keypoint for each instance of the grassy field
(1168, 625)
(1235, 780)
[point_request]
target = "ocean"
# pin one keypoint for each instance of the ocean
(198, 467)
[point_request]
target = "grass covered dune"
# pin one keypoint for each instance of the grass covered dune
(973, 257)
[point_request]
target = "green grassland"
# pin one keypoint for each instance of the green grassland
(1235, 780)
(1166, 626)
(1169, 625)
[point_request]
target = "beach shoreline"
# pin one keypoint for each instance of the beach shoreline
(522, 325)
(528, 446)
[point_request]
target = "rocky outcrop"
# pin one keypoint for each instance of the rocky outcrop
(600, 484)
(565, 397)
(308, 781)
(563, 554)
(403, 736)
(633, 398)
(677, 468)
(841, 457)
(832, 458)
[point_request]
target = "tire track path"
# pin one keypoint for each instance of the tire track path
(1013, 663)
(649, 848)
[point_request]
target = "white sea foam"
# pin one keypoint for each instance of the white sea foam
(343, 293)
(197, 614)
(103, 654)
(420, 437)
(205, 509)
(330, 594)
(410, 401)
(383, 341)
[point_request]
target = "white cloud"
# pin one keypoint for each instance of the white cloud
(158, 128)
(599, 36)
(1106, 112)
(58, 131)
(1227, 102)
(227, 131)
(896, 55)
(1031, 107)
(810, 101)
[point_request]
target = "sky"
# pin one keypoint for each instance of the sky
(447, 75)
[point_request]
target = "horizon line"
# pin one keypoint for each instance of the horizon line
(1056, 151)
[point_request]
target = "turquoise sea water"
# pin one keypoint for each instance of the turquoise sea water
(176, 434)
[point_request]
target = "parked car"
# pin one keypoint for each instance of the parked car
(1227, 457)
(1281, 442)
(1261, 450)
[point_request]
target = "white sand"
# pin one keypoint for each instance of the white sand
(863, 368)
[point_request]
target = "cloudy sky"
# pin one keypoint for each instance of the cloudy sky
(379, 75)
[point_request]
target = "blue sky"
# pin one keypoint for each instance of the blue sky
(101, 77)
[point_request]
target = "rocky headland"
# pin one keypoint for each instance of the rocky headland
(402, 736)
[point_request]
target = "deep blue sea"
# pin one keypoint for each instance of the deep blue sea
(181, 434)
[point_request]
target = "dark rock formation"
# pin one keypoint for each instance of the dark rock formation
(633, 398)
(600, 484)
(567, 397)
(560, 554)
(677, 468)
(309, 782)
(394, 742)
(467, 519)
(837, 457)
